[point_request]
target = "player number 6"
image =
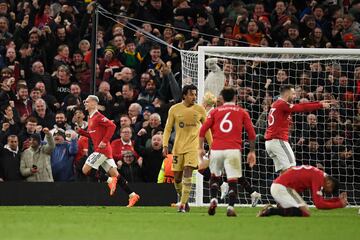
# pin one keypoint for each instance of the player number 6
(228, 123)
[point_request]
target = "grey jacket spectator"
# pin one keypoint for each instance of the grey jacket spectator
(35, 163)
(170, 89)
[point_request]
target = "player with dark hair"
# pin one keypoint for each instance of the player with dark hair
(287, 187)
(186, 117)
(100, 130)
(279, 119)
(226, 123)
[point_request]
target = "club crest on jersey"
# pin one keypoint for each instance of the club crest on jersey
(181, 124)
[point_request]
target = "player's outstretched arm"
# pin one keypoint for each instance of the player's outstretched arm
(310, 106)
(327, 103)
(82, 132)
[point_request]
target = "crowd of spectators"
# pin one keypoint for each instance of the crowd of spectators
(45, 63)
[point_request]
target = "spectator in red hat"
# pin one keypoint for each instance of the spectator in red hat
(349, 40)
(353, 27)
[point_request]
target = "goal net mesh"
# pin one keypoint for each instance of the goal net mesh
(326, 138)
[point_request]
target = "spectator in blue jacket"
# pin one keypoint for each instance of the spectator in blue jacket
(62, 157)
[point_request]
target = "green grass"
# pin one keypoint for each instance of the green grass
(27, 223)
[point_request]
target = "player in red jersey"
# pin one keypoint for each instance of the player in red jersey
(100, 130)
(287, 187)
(226, 123)
(279, 119)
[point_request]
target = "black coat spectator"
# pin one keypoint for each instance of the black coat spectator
(44, 116)
(130, 168)
(152, 158)
(62, 83)
(10, 160)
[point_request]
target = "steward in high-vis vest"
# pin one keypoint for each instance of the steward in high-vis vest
(165, 174)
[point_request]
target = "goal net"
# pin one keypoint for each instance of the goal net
(326, 138)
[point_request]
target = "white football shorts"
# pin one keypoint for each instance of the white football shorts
(281, 153)
(229, 159)
(97, 159)
(286, 197)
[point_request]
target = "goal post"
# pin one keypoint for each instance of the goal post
(330, 138)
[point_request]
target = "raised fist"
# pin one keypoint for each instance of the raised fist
(46, 131)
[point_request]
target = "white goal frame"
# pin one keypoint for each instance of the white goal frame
(203, 50)
(262, 50)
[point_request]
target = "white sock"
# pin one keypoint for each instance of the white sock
(109, 180)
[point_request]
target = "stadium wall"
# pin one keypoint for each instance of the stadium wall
(82, 194)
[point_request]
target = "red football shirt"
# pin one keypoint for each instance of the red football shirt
(118, 147)
(279, 117)
(305, 177)
(83, 143)
(226, 123)
(100, 129)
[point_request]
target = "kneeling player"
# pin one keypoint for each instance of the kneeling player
(286, 188)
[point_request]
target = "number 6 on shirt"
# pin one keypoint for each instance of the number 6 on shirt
(228, 123)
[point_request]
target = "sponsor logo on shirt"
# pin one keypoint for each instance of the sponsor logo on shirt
(182, 125)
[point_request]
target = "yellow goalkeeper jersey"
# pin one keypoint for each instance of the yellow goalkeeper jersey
(187, 122)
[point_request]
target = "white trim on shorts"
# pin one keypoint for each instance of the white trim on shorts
(286, 197)
(96, 159)
(228, 159)
(281, 153)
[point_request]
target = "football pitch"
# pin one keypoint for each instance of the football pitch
(158, 223)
